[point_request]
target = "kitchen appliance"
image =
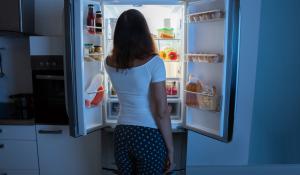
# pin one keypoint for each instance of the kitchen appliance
(49, 89)
(23, 105)
(17, 16)
(199, 51)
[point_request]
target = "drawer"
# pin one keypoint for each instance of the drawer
(18, 155)
(12, 172)
(16, 132)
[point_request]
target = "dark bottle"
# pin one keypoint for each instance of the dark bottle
(98, 22)
(90, 20)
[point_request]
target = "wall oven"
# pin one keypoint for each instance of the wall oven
(49, 89)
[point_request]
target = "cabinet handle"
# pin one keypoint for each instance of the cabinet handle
(0, 130)
(1, 146)
(50, 131)
(3, 174)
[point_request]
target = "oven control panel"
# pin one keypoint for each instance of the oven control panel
(47, 62)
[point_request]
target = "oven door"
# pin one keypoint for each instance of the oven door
(49, 96)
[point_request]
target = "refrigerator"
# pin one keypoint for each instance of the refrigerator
(198, 41)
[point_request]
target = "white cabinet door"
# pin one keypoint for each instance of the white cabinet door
(15, 154)
(61, 154)
(17, 132)
(10, 172)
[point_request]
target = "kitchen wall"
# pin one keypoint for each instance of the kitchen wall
(276, 112)
(16, 60)
(16, 66)
(206, 151)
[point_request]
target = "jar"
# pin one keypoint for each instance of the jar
(88, 49)
(98, 22)
(98, 49)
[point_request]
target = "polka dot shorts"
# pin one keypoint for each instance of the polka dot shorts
(139, 150)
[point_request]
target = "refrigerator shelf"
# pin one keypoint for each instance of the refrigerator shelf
(203, 101)
(205, 58)
(96, 34)
(163, 39)
(207, 16)
(170, 61)
(92, 59)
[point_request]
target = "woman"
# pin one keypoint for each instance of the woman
(143, 138)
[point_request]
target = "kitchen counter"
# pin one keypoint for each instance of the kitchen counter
(17, 121)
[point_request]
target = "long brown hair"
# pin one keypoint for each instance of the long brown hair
(132, 39)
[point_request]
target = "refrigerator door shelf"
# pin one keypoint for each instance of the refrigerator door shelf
(202, 101)
(206, 16)
(204, 58)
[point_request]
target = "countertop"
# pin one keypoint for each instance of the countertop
(17, 121)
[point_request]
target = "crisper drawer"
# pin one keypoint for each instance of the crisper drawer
(18, 155)
(17, 132)
(114, 107)
(5, 172)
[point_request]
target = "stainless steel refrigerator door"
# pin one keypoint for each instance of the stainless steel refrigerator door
(212, 114)
(82, 120)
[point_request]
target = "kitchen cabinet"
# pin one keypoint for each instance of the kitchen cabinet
(61, 154)
(17, 132)
(19, 172)
(18, 149)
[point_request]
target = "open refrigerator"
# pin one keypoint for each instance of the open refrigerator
(198, 41)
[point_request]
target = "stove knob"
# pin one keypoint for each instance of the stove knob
(53, 64)
(41, 64)
(47, 64)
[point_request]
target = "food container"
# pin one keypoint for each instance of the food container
(98, 49)
(206, 16)
(206, 58)
(198, 95)
(202, 101)
(166, 33)
(88, 49)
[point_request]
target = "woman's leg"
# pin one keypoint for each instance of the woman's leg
(121, 151)
(149, 151)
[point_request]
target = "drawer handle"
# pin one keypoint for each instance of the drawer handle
(0, 130)
(50, 131)
(1, 146)
(3, 174)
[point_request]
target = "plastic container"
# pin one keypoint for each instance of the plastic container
(166, 33)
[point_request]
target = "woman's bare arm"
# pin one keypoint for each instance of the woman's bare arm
(161, 112)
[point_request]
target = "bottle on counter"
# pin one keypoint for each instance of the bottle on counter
(98, 22)
(90, 20)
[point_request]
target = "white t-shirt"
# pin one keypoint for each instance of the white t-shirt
(133, 87)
